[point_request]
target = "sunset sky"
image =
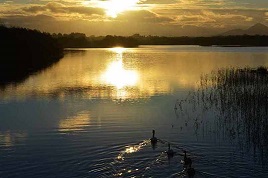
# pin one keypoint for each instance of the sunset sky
(127, 17)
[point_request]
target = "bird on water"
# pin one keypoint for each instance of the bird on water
(187, 161)
(153, 139)
(188, 164)
(170, 152)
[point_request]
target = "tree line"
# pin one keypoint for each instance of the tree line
(24, 51)
(80, 40)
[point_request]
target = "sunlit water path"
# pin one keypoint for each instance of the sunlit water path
(92, 115)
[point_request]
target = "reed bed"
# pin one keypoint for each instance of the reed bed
(238, 99)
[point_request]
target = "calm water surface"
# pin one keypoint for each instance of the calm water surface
(92, 114)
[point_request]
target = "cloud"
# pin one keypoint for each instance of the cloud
(143, 16)
(158, 1)
(55, 7)
(36, 21)
(210, 18)
(156, 17)
(213, 17)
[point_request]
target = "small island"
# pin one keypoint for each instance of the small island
(24, 51)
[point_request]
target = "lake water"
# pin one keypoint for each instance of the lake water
(92, 115)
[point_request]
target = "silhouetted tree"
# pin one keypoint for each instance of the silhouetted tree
(25, 51)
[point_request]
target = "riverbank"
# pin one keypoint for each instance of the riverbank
(24, 52)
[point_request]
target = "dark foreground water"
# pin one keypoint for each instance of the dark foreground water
(92, 115)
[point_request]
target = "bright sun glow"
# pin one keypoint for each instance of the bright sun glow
(118, 50)
(114, 7)
(116, 75)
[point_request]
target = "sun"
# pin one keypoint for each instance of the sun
(114, 7)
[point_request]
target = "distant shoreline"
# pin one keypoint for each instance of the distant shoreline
(26, 51)
(232, 46)
(78, 40)
(139, 46)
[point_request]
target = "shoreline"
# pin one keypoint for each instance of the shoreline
(139, 46)
(25, 52)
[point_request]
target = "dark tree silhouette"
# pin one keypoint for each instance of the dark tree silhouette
(80, 40)
(244, 40)
(25, 51)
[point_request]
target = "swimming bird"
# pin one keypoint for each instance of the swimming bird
(153, 139)
(170, 152)
(187, 161)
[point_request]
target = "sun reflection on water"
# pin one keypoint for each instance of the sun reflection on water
(76, 123)
(117, 76)
(132, 149)
(129, 150)
(118, 50)
(9, 138)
